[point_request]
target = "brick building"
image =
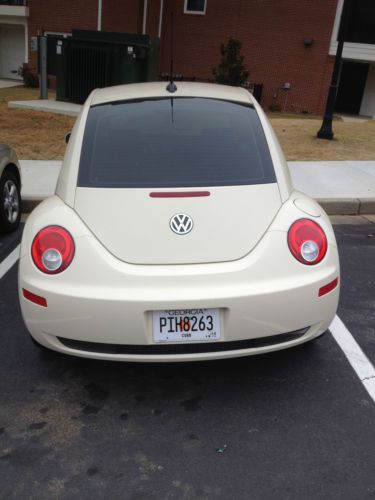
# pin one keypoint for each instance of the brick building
(287, 44)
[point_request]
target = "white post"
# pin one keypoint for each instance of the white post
(160, 17)
(144, 17)
(100, 5)
(43, 83)
(26, 42)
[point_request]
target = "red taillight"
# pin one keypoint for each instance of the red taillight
(52, 249)
(307, 241)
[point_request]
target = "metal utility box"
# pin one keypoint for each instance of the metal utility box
(95, 59)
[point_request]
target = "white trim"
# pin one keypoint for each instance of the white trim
(14, 10)
(26, 43)
(160, 17)
(58, 33)
(356, 51)
(368, 99)
(356, 357)
(9, 261)
(100, 9)
(12, 20)
(144, 17)
(195, 12)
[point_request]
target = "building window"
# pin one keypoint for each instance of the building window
(195, 7)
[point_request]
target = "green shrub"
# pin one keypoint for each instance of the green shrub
(30, 79)
(231, 69)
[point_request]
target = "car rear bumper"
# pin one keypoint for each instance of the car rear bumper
(98, 306)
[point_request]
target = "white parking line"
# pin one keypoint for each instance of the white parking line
(356, 357)
(9, 261)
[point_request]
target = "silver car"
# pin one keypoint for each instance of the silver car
(10, 190)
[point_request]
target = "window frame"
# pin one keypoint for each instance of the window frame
(195, 12)
(57, 33)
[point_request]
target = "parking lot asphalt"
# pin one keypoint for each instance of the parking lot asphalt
(289, 425)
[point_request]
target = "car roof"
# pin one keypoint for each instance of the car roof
(159, 89)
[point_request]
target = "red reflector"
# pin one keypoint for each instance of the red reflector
(37, 299)
(180, 194)
(327, 288)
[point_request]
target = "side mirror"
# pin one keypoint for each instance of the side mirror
(67, 137)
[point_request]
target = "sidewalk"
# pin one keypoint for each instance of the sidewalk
(6, 83)
(48, 105)
(341, 187)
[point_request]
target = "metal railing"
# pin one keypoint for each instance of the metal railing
(21, 3)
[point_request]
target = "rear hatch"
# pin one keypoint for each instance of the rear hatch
(144, 162)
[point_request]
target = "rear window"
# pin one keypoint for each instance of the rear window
(174, 142)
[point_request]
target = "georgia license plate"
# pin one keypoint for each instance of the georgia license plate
(186, 325)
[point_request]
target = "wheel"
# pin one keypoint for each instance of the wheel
(10, 202)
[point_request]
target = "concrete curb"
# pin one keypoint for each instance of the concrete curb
(332, 206)
(348, 206)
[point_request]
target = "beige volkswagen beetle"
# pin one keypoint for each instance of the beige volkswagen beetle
(175, 234)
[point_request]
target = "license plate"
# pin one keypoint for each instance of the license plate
(186, 325)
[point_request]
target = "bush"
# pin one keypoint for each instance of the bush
(276, 108)
(30, 79)
(231, 70)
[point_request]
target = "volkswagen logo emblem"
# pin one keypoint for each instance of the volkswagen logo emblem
(181, 224)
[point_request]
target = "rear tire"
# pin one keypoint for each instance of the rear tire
(10, 202)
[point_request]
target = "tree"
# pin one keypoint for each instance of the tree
(231, 70)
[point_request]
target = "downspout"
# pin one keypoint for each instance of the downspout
(26, 42)
(144, 17)
(160, 17)
(100, 5)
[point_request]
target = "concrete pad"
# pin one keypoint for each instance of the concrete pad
(334, 179)
(355, 119)
(39, 178)
(4, 84)
(48, 106)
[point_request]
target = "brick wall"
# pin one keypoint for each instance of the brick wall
(122, 16)
(272, 33)
(61, 16)
(66, 15)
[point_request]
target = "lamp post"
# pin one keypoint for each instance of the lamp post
(326, 131)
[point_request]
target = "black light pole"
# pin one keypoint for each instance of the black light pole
(326, 131)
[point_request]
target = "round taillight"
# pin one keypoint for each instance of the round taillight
(52, 249)
(307, 241)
